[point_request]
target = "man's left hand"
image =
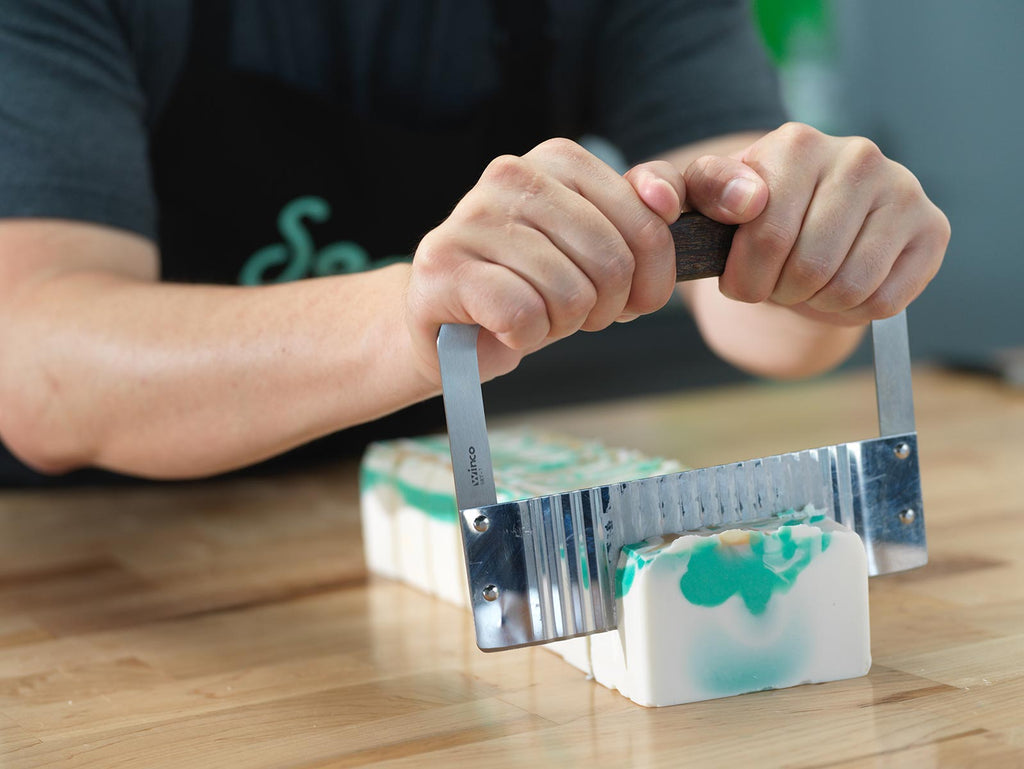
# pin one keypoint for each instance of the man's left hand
(829, 226)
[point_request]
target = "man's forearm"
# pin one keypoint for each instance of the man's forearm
(766, 339)
(167, 380)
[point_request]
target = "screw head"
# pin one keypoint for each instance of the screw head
(907, 516)
(490, 593)
(481, 523)
(901, 450)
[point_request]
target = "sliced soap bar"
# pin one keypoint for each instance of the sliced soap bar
(410, 520)
(714, 614)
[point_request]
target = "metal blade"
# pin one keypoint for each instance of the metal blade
(543, 569)
(464, 412)
(892, 375)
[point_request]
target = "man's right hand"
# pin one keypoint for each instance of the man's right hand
(542, 246)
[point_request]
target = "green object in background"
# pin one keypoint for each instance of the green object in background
(800, 36)
(783, 21)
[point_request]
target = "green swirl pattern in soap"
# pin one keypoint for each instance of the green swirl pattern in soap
(754, 563)
(527, 463)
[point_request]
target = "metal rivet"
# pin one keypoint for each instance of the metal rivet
(481, 523)
(901, 450)
(907, 516)
(490, 593)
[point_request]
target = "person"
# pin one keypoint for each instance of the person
(193, 194)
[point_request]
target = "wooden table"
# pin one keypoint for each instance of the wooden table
(232, 623)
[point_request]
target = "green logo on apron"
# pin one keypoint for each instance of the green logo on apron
(298, 253)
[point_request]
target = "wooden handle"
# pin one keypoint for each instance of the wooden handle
(702, 245)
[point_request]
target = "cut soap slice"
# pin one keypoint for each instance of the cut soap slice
(410, 520)
(720, 613)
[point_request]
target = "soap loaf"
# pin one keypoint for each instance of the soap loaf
(410, 519)
(701, 615)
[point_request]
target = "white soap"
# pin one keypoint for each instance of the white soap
(722, 613)
(379, 501)
(417, 483)
(410, 520)
(703, 615)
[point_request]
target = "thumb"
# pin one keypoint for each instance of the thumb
(725, 189)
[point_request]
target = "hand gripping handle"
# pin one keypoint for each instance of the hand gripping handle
(702, 246)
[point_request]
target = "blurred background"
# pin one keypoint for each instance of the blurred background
(937, 84)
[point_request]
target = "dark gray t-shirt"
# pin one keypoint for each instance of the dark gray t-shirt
(86, 84)
(83, 82)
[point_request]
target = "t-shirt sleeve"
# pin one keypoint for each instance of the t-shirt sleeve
(670, 72)
(72, 135)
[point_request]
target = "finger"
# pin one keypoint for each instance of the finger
(509, 314)
(501, 302)
(529, 207)
(452, 283)
(568, 294)
(824, 254)
(789, 160)
(496, 359)
(652, 276)
(660, 186)
(906, 217)
(725, 189)
(873, 253)
(912, 271)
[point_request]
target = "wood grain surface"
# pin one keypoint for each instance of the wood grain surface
(231, 623)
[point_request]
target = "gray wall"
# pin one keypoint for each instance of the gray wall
(939, 86)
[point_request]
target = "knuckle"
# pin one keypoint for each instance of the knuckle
(522, 322)
(807, 275)
(578, 303)
(701, 175)
(503, 166)
(510, 174)
(800, 136)
(648, 297)
(561, 147)
(748, 291)
(873, 258)
(433, 255)
(773, 239)
(908, 193)
(864, 147)
(842, 293)
(616, 268)
(704, 166)
(883, 304)
(511, 171)
(862, 158)
(645, 302)
(653, 237)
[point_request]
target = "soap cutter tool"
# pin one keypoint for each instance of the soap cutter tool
(543, 569)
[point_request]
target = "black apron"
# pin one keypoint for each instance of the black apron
(259, 181)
